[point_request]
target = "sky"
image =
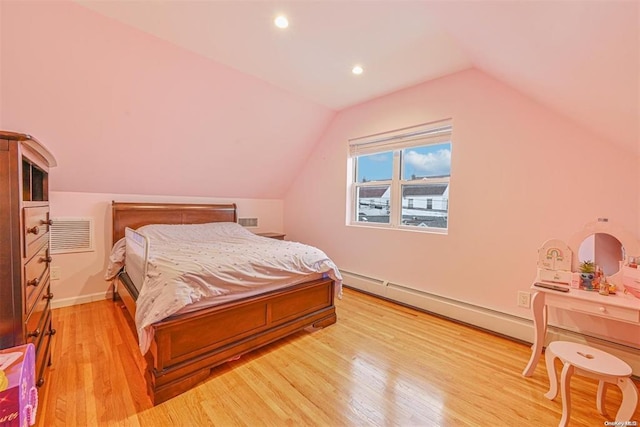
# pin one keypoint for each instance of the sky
(430, 160)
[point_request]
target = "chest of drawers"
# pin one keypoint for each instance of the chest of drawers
(25, 294)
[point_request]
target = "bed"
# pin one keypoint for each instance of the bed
(184, 347)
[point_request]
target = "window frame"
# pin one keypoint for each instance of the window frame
(396, 141)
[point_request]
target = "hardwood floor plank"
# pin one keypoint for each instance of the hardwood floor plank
(381, 364)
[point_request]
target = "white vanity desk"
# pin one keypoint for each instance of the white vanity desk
(620, 307)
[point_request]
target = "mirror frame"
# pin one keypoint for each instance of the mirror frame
(628, 240)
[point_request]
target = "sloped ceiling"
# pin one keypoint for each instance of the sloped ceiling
(580, 58)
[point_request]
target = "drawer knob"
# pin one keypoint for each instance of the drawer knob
(34, 334)
(48, 296)
(40, 382)
(34, 230)
(33, 282)
(603, 309)
(46, 259)
(46, 222)
(51, 332)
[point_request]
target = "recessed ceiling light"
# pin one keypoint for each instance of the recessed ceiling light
(357, 70)
(281, 21)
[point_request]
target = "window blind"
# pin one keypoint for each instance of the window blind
(430, 133)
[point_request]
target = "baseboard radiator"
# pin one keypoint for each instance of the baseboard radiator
(511, 326)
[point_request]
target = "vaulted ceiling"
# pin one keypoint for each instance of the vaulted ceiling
(579, 58)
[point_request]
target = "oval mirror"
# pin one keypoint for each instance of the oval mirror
(604, 250)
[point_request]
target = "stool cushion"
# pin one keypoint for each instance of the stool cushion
(590, 359)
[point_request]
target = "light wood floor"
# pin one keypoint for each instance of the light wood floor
(380, 365)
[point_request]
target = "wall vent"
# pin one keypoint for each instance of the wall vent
(70, 235)
(248, 222)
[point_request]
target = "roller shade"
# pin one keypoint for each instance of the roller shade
(430, 133)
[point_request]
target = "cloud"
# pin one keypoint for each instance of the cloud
(436, 163)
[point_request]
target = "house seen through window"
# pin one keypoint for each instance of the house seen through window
(401, 178)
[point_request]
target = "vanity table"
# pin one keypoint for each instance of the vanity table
(619, 307)
(615, 244)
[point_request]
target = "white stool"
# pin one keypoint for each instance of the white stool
(593, 363)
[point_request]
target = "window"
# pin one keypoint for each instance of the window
(400, 179)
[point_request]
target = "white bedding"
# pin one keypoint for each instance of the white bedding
(190, 263)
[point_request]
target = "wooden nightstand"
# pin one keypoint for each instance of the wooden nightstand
(277, 236)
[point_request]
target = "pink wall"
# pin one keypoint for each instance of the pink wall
(520, 175)
(126, 112)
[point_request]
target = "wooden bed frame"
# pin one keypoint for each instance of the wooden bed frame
(186, 347)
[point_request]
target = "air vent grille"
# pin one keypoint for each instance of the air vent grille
(248, 222)
(69, 235)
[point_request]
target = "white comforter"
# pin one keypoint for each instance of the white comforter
(188, 263)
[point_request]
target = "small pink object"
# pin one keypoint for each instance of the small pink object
(19, 400)
(635, 291)
(631, 279)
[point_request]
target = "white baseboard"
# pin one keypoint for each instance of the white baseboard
(501, 323)
(66, 302)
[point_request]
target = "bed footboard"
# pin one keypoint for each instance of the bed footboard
(186, 347)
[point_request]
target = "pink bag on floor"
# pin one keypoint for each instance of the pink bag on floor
(18, 392)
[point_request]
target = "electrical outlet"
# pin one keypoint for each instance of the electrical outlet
(55, 273)
(524, 299)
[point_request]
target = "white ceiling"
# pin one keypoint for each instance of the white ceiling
(580, 58)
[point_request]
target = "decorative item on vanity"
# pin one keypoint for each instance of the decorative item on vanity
(587, 274)
(603, 286)
(554, 263)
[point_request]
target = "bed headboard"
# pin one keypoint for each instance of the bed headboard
(134, 215)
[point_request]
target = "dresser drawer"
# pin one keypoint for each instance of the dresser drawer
(36, 229)
(36, 273)
(35, 324)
